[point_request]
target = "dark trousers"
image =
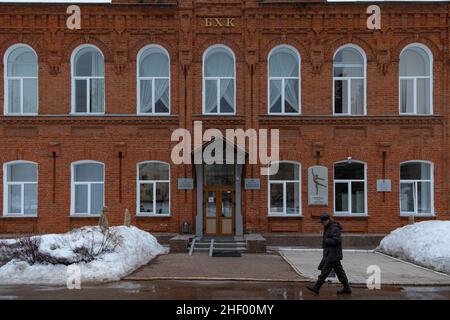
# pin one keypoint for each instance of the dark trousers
(338, 269)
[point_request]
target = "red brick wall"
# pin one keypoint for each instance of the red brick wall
(315, 30)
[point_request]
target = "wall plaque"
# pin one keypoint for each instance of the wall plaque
(185, 184)
(317, 186)
(252, 184)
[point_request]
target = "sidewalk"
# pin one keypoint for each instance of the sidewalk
(200, 266)
(393, 271)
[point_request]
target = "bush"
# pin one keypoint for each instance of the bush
(91, 249)
(27, 249)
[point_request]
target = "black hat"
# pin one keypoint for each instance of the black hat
(324, 217)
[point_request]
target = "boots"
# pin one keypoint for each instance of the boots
(315, 288)
(345, 290)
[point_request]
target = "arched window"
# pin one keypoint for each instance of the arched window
(153, 188)
(88, 179)
(416, 80)
(284, 188)
(284, 81)
(416, 188)
(20, 188)
(21, 80)
(153, 81)
(349, 81)
(350, 192)
(88, 89)
(219, 81)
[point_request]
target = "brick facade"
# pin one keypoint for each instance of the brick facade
(54, 139)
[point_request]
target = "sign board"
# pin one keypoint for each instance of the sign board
(383, 185)
(185, 184)
(317, 186)
(252, 184)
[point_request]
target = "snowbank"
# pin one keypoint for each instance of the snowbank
(424, 243)
(136, 249)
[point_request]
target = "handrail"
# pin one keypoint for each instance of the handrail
(211, 247)
(191, 249)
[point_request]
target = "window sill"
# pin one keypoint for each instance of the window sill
(86, 114)
(153, 114)
(96, 216)
(11, 216)
(285, 215)
(346, 215)
(284, 114)
(415, 215)
(140, 215)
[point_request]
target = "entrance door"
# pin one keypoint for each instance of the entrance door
(218, 211)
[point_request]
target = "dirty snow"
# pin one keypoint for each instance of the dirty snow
(136, 249)
(424, 243)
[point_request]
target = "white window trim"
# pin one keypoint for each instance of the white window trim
(414, 181)
(153, 182)
(283, 113)
(6, 79)
(73, 183)
(218, 79)
(88, 93)
(283, 182)
(349, 79)
(139, 78)
(349, 181)
(6, 185)
(414, 78)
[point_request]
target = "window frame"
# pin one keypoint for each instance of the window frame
(218, 80)
(153, 182)
(7, 183)
(350, 213)
(415, 181)
(73, 184)
(6, 79)
(414, 78)
(269, 78)
(284, 182)
(87, 78)
(349, 79)
(153, 79)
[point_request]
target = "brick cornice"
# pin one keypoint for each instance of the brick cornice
(90, 120)
(355, 120)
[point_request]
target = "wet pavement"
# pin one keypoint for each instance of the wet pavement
(200, 266)
(216, 290)
(357, 263)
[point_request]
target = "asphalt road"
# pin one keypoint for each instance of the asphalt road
(217, 290)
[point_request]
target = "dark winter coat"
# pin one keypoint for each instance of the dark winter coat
(331, 243)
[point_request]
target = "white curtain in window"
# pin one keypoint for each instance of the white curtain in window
(291, 93)
(21, 76)
(283, 63)
(89, 72)
(275, 95)
(155, 67)
(162, 93)
(219, 63)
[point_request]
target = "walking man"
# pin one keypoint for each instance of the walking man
(332, 256)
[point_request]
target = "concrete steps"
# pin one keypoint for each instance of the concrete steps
(214, 246)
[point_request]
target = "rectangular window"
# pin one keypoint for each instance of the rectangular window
(407, 95)
(30, 96)
(211, 96)
(81, 95)
(14, 93)
(341, 96)
(276, 198)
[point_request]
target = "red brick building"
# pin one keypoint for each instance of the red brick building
(88, 114)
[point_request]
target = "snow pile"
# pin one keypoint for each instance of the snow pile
(425, 243)
(136, 248)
